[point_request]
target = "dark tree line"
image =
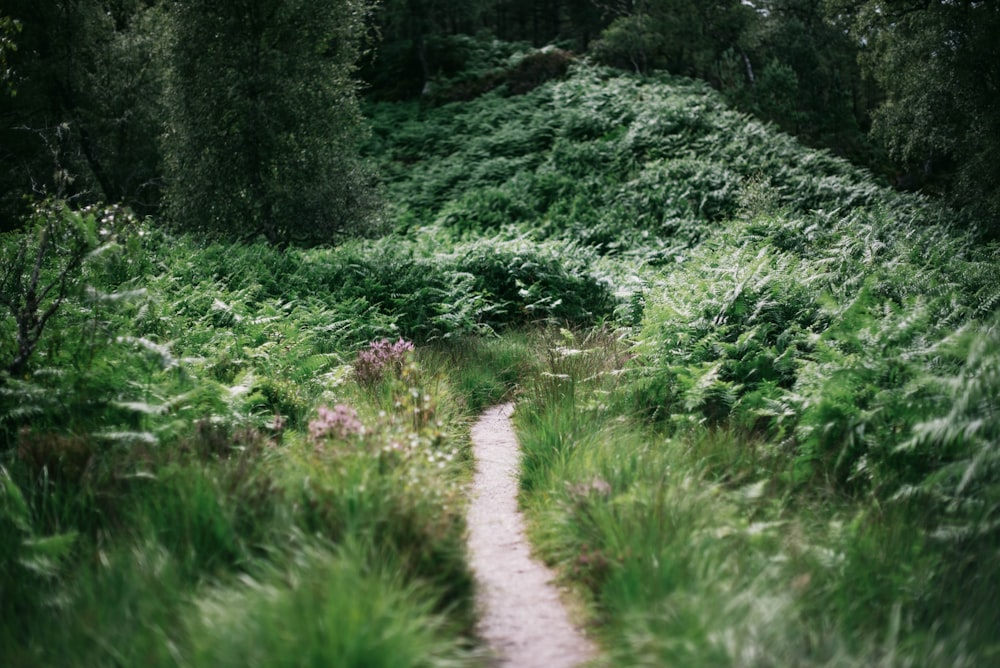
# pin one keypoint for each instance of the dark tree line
(938, 66)
(242, 116)
(237, 117)
(85, 115)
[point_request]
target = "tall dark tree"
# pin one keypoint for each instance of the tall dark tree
(938, 63)
(264, 120)
(85, 120)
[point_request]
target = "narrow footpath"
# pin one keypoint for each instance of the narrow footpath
(522, 616)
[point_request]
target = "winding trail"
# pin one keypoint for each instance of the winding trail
(522, 617)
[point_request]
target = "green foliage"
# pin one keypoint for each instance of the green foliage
(789, 62)
(631, 42)
(933, 62)
(680, 36)
(817, 486)
(87, 118)
(263, 120)
(8, 28)
(534, 282)
(216, 500)
(164, 420)
(693, 549)
(29, 563)
(821, 331)
(795, 65)
(963, 436)
(628, 165)
(418, 42)
(43, 265)
(485, 370)
(356, 616)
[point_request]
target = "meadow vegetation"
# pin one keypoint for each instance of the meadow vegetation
(757, 394)
(780, 449)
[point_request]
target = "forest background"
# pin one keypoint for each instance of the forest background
(106, 101)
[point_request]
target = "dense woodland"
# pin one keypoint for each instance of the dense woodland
(735, 263)
(143, 102)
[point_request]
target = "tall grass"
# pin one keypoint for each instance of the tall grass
(246, 516)
(322, 608)
(693, 551)
(192, 469)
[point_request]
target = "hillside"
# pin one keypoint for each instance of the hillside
(756, 392)
(616, 162)
(808, 360)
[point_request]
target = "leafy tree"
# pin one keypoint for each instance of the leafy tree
(86, 118)
(938, 64)
(264, 120)
(683, 36)
(800, 70)
(8, 28)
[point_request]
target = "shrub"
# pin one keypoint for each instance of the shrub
(537, 68)
(42, 267)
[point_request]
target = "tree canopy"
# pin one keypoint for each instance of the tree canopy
(938, 65)
(263, 118)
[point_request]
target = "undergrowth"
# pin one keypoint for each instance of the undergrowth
(692, 548)
(179, 439)
(756, 395)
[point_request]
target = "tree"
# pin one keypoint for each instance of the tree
(8, 28)
(264, 119)
(85, 120)
(800, 70)
(682, 36)
(938, 64)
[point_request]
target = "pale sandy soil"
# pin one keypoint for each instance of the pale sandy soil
(523, 618)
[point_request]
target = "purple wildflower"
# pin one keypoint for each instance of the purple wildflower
(380, 358)
(339, 422)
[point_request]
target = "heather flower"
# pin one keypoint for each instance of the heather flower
(339, 422)
(381, 357)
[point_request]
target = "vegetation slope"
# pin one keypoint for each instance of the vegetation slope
(759, 414)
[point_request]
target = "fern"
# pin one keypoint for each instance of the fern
(967, 435)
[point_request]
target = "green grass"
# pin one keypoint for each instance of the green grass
(246, 514)
(323, 608)
(486, 370)
(692, 549)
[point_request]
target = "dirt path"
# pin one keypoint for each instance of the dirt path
(522, 616)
